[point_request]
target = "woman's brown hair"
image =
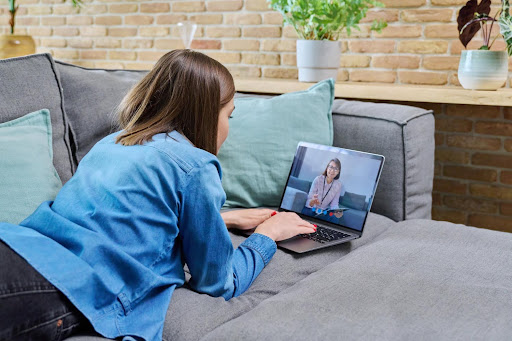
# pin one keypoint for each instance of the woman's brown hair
(185, 91)
(338, 163)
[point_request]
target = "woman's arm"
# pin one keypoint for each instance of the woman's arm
(312, 192)
(216, 268)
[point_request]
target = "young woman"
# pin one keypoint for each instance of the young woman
(326, 189)
(110, 250)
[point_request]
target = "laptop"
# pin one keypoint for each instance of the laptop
(338, 207)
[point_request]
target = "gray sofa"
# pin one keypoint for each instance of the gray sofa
(407, 278)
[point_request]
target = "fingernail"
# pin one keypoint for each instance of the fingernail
(315, 226)
(273, 213)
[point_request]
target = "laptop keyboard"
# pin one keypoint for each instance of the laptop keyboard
(323, 235)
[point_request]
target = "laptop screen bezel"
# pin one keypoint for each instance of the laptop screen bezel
(350, 151)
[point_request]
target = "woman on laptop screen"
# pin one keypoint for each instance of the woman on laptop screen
(324, 195)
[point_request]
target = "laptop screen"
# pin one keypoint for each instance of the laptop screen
(333, 185)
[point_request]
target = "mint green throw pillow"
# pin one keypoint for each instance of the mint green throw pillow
(263, 136)
(28, 176)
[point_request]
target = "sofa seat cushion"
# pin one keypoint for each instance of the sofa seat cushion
(192, 315)
(31, 83)
(420, 279)
(91, 96)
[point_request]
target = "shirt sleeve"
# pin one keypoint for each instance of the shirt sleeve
(216, 268)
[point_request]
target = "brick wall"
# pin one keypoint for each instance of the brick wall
(420, 46)
(473, 182)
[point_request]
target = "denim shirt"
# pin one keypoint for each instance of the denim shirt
(118, 234)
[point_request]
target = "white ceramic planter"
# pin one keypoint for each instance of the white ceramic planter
(318, 59)
(483, 69)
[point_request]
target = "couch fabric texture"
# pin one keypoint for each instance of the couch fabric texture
(404, 279)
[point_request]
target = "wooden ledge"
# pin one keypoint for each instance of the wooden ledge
(381, 91)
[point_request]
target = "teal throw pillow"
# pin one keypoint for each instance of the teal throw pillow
(28, 175)
(263, 137)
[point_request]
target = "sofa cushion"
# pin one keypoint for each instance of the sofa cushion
(28, 175)
(91, 95)
(405, 136)
(263, 138)
(419, 280)
(28, 84)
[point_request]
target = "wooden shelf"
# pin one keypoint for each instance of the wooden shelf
(380, 91)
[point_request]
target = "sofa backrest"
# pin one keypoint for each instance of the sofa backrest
(91, 96)
(29, 84)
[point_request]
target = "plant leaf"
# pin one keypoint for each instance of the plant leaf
(467, 13)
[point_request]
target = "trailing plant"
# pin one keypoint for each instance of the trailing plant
(325, 19)
(13, 8)
(474, 17)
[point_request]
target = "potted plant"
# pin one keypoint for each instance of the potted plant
(319, 24)
(483, 69)
(13, 45)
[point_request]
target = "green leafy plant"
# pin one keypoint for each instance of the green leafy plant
(474, 16)
(13, 8)
(325, 19)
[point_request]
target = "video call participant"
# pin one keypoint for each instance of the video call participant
(325, 192)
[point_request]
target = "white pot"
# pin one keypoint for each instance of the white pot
(318, 59)
(483, 69)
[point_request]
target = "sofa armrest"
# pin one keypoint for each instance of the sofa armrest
(405, 136)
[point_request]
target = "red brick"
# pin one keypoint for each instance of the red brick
(453, 156)
(453, 124)
(372, 76)
(470, 173)
(495, 160)
(439, 137)
(468, 204)
(508, 145)
(499, 223)
(507, 111)
(206, 44)
(506, 209)
(491, 191)
(471, 142)
(477, 111)
(450, 186)
(371, 46)
(506, 177)
(494, 128)
(453, 216)
(436, 199)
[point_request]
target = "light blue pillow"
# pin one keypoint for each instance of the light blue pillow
(28, 175)
(263, 137)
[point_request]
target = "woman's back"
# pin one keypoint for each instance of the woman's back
(112, 229)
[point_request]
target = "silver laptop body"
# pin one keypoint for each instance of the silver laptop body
(359, 175)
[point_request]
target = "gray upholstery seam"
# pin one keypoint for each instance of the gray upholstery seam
(107, 70)
(65, 122)
(404, 184)
(427, 112)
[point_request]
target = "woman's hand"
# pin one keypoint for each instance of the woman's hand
(284, 225)
(314, 201)
(246, 219)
